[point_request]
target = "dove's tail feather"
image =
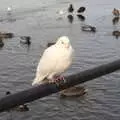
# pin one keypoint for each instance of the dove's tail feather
(38, 80)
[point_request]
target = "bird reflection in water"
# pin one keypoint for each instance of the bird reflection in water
(81, 17)
(1, 42)
(115, 20)
(70, 18)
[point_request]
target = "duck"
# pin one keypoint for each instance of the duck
(70, 8)
(116, 12)
(22, 108)
(81, 9)
(25, 40)
(88, 28)
(6, 35)
(73, 92)
(116, 33)
(61, 12)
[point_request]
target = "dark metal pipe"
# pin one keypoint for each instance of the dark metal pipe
(46, 89)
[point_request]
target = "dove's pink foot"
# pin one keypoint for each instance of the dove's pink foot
(57, 79)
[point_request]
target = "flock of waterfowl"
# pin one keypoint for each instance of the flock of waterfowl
(5, 35)
(78, 13)
(71, 12)
(89, 28)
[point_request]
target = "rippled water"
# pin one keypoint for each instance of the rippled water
(40, 20)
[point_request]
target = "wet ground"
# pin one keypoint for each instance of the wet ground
(18, 62)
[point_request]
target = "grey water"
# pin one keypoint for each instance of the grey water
(41, 21)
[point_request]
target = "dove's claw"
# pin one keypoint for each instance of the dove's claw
(58, 80)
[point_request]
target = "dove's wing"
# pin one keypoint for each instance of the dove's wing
(47, 64)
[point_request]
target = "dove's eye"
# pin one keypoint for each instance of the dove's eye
(62, 42)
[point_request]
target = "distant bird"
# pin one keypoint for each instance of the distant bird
(70, 8)
(81, 9)
(22, 108)
(25, 40)
(9, 10)
(116, 12)
(73, 92)
(54, 61)
(116, 33)
(88, 28)
(1, 42)
(6, 35)
(61, 12)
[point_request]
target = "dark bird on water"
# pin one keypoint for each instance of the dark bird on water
(116, 33)
(25, 40)
(6, 35)
(88, 28)
(116, 12)
(70, 8)
(81, 9)
(73, 92)
(22, 108)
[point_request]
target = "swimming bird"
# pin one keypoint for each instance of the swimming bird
(116, 33)
(116, 12)
(88, 28)
(9, 10)
(81, 9)
(54, 61)
(70, 8)
(25, 40)
(61, 12)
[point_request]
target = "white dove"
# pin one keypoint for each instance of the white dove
(54, 61)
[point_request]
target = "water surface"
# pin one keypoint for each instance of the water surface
(39, 19)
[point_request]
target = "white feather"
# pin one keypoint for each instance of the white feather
(54, 61)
